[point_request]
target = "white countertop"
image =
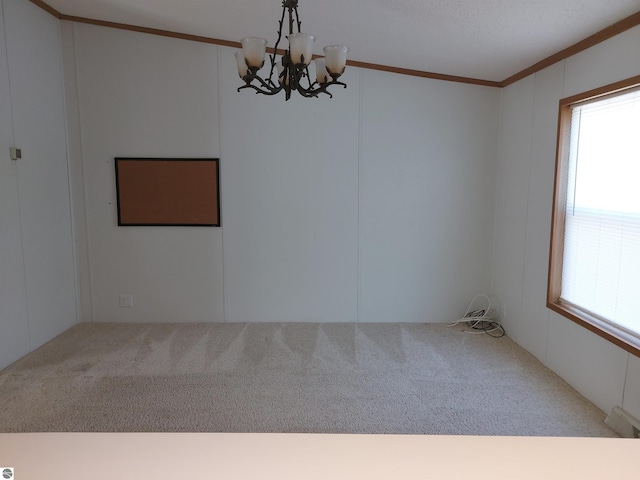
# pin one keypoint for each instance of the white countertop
(98, 456)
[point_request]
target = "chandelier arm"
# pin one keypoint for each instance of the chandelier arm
(305, 92)
(311, 92)
(314, 93)
(258, 90)
(270, 85)
(297, 73)
(335, 82)
(306, 72)
(253, 75)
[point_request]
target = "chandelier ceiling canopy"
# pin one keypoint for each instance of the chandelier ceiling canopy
(291, 67)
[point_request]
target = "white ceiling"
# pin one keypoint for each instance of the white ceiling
(484, 39)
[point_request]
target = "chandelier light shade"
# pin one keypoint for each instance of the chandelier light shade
(335, 58)
(292, 67)
(254, 49)
(322, 76)
(242, 64)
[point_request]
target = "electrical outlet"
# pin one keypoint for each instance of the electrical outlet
(15, 153)
(126, 301)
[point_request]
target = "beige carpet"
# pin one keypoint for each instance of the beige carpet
(337, 378)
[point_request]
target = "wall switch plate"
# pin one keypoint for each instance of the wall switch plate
(16, 153)
(126, 301)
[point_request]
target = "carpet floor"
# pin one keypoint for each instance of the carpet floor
(313, 378)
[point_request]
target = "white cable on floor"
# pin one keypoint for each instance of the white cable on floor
(479, 319)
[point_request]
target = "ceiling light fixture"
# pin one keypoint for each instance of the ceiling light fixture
(292, 69)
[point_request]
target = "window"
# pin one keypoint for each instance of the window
(594, 267)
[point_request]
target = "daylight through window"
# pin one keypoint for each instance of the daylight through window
(595, 266)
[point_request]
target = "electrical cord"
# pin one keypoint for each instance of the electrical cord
(479, 321)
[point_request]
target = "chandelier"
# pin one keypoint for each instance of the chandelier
(292, 69)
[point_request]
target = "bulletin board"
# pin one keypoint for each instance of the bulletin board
(168, 191)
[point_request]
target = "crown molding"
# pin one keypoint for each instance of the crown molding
(420, 73)
(151, 31)
(47, 8)
(598, 37)
(227, 43)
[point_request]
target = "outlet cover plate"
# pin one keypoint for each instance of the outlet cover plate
(125, 301)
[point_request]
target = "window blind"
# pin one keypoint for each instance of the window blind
(601, 258)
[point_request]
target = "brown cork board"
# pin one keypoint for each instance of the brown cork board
(168, 191)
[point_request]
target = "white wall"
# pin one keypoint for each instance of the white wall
(355, 208)
(142, 96)
(289, 202)
(14, 341)
(76, 178)
(37, 282)
(601, 371)
(427, 182)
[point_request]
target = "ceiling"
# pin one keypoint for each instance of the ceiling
(482, 39)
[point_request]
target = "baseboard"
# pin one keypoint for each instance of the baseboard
(623, 423)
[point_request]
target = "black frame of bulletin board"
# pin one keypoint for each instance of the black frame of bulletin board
(177, 192)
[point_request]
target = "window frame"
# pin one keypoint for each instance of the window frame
(591, 322)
